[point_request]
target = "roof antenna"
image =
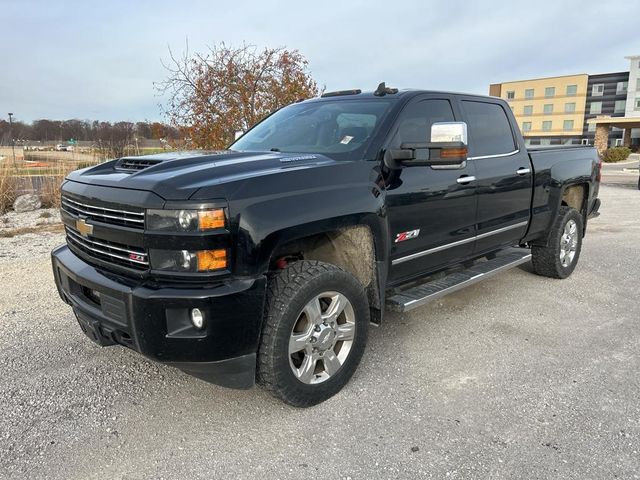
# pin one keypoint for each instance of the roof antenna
(382, 90)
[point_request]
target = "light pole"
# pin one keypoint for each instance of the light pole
(13, 146)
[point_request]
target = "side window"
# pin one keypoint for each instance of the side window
(416, 119)
(489, 129)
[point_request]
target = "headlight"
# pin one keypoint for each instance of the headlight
(185, 220)
(188, 261)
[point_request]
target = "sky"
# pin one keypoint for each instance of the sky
(99, 60)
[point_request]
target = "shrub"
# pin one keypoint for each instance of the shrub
(616, 154)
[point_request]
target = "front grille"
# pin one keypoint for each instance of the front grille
(135, 164)
(125, 218)
(112, 252)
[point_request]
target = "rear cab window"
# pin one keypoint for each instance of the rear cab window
(489, 128)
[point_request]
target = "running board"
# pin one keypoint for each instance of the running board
(417, 296)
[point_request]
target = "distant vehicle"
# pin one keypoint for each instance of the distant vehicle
(267, 261)
(61, 147)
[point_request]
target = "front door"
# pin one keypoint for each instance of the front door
(431, 210)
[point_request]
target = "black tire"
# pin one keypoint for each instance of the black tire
(547, 260)
(288, 292)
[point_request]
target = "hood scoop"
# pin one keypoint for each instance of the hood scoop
(135, 164)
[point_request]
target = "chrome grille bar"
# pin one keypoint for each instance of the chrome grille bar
(113, 216)
(126, 212)
(102, 247)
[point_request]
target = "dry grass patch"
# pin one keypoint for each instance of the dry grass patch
(56, 228)
(8, 184)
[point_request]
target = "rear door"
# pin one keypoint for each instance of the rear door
(431, 214)
(503, 172)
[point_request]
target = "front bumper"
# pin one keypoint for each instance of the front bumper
(155, 321)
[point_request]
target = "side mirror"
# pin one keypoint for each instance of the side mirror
(449, 132)
(447, 146)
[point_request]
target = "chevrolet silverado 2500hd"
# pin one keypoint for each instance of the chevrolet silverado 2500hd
(268, 261)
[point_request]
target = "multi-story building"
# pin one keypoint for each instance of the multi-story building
(606, 95)
(633, 91)
(549, 111)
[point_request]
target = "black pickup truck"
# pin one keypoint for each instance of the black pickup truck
(268, 261)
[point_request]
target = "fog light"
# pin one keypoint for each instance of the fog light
(197, 318)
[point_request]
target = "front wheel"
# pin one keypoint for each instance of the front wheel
(315, 331)
(559, 258)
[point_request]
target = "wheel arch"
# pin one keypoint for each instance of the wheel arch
(356, 244)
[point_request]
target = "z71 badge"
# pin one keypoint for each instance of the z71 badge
(401, 237)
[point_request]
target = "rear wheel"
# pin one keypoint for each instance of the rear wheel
(316, 323)
(559, 258)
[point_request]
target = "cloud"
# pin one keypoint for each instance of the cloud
(69, 59)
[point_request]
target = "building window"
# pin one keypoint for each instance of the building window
(526, 126)
(585, 141)
(549, 91)
(591, 127)
(528, 110)
(572, 90)
(528, 93)
(597, 90)
(637, 84)
(546, 125)
(567, 125)
(637, 105)
(569, 107)
(596, 107)
(511, 95)
(618, 142)
(621, 88)
(620, 106)
(548, 108)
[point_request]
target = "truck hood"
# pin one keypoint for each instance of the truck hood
(178, 175)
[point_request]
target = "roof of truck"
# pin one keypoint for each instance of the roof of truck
(398, 94)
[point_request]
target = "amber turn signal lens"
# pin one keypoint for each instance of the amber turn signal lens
(210, 219)
(211, 260)
(453, 153)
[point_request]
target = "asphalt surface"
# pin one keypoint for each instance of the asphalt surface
(517, 377)
(622, 173)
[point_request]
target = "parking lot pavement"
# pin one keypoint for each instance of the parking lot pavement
(622, 173)
(517, 377)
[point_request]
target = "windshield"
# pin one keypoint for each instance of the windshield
(342, 129)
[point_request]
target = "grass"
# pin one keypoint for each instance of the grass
(47, 183)
(57, 227)
(8, 186)
(51, 169)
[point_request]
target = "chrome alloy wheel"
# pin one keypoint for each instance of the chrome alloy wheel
(568, 243)
(322, 337)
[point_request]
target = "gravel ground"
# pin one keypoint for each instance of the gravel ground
(516, 377)
(44, 216)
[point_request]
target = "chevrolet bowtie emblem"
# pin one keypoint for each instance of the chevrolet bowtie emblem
(83, 227)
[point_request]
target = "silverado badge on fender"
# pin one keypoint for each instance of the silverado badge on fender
(401, 237)
(83, 227)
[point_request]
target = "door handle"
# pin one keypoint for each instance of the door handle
(523, 171)
(465, 179)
